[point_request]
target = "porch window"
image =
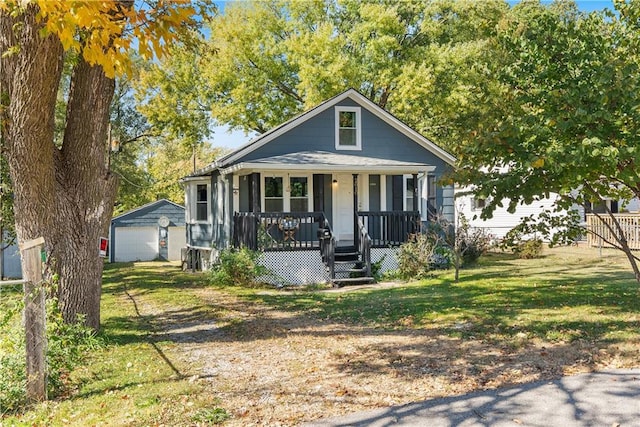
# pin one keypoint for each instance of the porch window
(273, 194)
(348, 130)
(202, 202)
(409, 187)
(299, 194)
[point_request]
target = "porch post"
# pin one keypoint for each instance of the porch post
(356, 234)
(416, 207)
(255, 192)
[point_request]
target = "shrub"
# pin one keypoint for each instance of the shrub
(68, 345)
(418, 256)
(522, 242)
(238, 267)
(528, 249)
(473, 244)
(376, 268)
(13, 380)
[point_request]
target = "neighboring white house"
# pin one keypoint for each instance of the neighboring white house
(503, 221)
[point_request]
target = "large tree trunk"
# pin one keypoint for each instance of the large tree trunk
(63, 194)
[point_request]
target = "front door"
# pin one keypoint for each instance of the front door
(342, 189)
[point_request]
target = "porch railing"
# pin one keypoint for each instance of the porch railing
(273, 231)
(390, 228)
(599, 232)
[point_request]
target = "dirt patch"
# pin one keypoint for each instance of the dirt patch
(268, 367)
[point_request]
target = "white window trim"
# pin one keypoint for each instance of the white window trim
(404, 193)
(286, 193)
(262, 190)
(358, 145)
(193, 214)
(422, 201)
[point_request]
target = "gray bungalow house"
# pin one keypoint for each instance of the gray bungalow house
(324, 195)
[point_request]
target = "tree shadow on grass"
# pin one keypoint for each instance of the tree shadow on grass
(464, 331)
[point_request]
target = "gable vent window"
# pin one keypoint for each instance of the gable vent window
(348, 128)
(202, 205)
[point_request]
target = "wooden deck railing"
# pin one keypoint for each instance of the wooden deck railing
(390, 228)
(599, 233)
(273, 231)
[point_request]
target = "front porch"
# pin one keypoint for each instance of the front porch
(295, 231)
(325, 214)
(300, 247)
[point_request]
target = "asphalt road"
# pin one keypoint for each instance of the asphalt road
(606, 398)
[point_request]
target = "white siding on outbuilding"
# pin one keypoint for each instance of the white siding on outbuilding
(177, 240)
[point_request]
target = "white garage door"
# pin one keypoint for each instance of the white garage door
(177, 240)
(136, 244)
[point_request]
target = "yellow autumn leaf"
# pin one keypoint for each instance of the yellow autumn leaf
(538, 163)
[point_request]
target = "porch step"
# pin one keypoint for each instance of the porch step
(343, 249)
(352, 280)
(347, 257)
(346, 261)
(355, 269)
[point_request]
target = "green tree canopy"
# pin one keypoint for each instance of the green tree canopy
(567, 118)
(269, 60)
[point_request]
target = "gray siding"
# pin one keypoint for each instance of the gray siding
(374, 193)
(199, 235)
(379, 140)
(217, 233)
(244, 193)
(328, 198)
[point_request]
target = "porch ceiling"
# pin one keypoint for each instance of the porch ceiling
(324, 161)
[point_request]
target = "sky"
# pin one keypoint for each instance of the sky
(222, 137)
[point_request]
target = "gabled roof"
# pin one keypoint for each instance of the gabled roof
(148, 205)
(353, 94)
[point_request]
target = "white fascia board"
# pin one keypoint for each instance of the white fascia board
(190, 179)
(385, 170)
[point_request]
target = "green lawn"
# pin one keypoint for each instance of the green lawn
(138, 380)
(560, 297)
